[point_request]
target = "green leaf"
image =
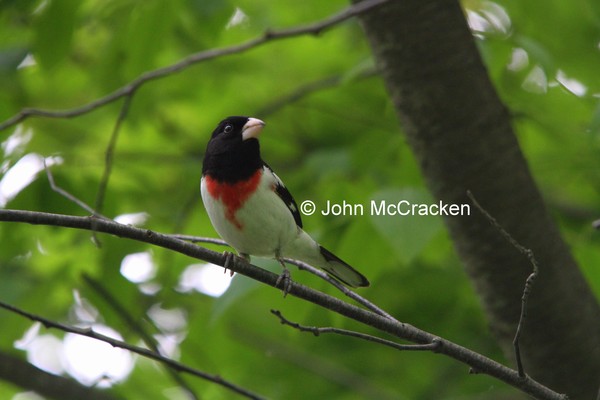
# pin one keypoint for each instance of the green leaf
(406, 234)
(54, 32)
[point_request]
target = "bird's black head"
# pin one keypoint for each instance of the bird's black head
(233, 152)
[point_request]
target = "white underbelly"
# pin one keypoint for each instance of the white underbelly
(266, 226)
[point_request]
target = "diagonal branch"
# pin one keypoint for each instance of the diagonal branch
(110, 152)
(68, 195)
(134, 325)
(528, 282)
(342, 288)
(310, 88)
(135, 349)
(28, 377)
(476, 361)
(128, 90)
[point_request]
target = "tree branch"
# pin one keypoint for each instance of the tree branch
(29, 377)
(135, 349)
(72, 198)
(110, 151)
(309, 88)
(306, 267)
(128, 90)
(344, 332)
(198, 239)
(476, 361)
(134, 325)
(528, 282)
(342, 288)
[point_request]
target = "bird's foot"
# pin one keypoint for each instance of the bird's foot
(229, 257)
(285, 279)
(228, 262)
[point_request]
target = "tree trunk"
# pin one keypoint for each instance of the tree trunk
(462, 137)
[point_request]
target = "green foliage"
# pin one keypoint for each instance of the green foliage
(406, 234)
(339, 143)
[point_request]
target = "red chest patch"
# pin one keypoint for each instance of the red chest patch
(233, 196)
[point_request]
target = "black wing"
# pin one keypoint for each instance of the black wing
(286, 196)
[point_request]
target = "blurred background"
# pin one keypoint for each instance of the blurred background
(331, 134)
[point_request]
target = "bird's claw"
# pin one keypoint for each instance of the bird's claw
(229, 256)
(285, 279)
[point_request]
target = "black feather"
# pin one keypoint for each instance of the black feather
(286, 197)
(342, 271)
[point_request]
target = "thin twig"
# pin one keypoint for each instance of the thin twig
(75, 200)
(134, 349)
(110, 152)
(308, 89)
(310, 29)
(341, 287)
(134, 325)
(72, 198)
(435, 343)
(109, 157)
(199, 239)
(528, 282)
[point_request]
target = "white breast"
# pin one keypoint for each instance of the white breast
(267, 226)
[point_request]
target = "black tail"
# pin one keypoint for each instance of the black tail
(342, 271)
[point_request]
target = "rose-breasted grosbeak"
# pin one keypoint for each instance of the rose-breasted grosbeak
(251, 209)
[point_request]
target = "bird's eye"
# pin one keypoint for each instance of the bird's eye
(228, 128)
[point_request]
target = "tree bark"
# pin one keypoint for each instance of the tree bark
(462, 137)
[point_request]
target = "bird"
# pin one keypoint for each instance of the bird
(252, 210)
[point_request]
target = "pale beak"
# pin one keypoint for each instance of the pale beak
(252, 128)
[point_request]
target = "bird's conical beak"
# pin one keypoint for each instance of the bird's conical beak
(252, 128)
